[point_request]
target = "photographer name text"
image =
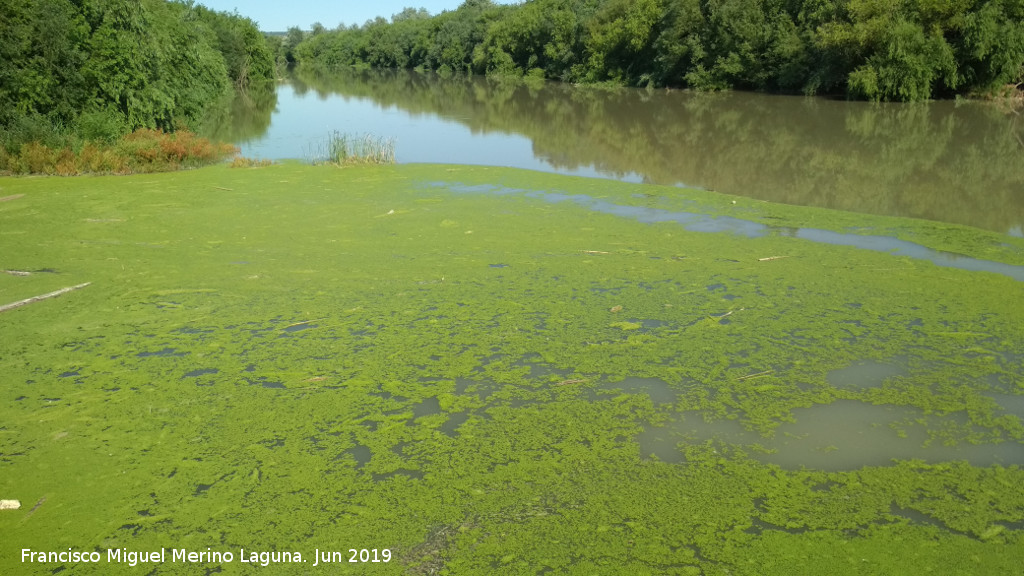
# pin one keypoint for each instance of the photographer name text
(209, 556)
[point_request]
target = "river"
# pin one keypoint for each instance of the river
(956, 162)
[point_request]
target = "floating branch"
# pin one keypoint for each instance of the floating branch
(54, 294)
(17, 272)
(771, 258)
(303, 323)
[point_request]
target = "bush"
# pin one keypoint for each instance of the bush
(33, 128)
(144, 150)
(105, 126)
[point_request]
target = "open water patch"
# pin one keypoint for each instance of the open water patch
(428, 407)
(451, 426)
(1009, 403)
(163, 353)
(843, 435)
(700, 222)
(864, 374)
(359, 453)
(657, 389)
(201, 372)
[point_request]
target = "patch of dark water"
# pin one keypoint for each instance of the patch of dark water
(917, 517)
(541, 371)
(264, 382)
(411, 474)
(758, 526)
(865, 374)
(698, 222)
(200, 372)
(361, 454)
(164, 353)
(192, 331)
(662, 441)
(658, 390)
(463, 386)
(1010, 403)
(843, 435)
(271, 443)
(451, 426)
(428, 407)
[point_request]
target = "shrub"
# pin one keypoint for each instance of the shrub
(144, 150)
(105, 126)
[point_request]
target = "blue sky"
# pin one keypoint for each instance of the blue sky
(279, 15)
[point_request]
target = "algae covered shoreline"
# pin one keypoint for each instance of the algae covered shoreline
(435, 361)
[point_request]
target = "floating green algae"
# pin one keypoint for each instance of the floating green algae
(299, 358)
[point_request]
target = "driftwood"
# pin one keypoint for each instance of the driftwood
(304, 322)
(16, 272)
(770, 258)
(54, 294)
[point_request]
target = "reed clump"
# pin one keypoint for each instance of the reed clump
(343, 149)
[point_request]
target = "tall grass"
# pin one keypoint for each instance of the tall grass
(344, 149)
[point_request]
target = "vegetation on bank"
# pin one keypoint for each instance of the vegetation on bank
(868, 49)
(144, 150)
(79, 76)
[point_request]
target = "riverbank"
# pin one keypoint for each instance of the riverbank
(485, 369)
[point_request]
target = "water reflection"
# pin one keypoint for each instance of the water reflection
(945, 161)
(704, 223)
(244, 118)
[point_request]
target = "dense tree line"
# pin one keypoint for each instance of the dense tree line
(871, 49)
(97, 69)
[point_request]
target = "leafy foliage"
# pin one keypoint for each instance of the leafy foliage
(101, 68)
(870, 49)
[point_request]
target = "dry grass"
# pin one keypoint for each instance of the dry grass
(243, 162)
(144, 150)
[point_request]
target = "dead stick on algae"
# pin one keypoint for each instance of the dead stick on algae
(54, 294)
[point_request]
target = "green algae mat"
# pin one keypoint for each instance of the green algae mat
(454, 370)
